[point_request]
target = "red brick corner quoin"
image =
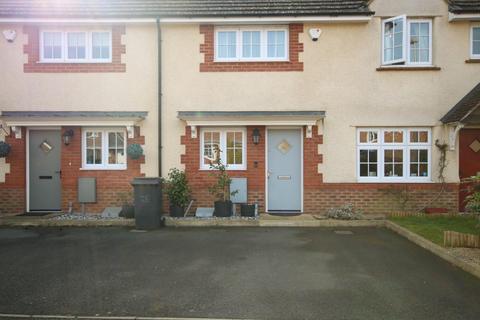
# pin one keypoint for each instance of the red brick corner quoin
(32, 50)
(209, 65)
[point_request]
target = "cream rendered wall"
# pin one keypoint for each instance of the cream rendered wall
(339, 77)
(134, 90)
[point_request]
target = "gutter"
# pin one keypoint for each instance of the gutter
(159, 91)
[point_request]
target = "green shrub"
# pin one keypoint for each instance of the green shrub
(177, 188)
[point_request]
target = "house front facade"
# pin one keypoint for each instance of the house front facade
(317, 104)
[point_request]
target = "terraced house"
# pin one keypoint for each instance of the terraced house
(317, 103)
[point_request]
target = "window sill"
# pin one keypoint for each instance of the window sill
(408, 68)
(251, 61)
(234, 169)
(74, 62)
(426, 180)
(473, 60)
(102, 169)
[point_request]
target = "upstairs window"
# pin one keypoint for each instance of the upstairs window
(251, 44)
(75, 46)
(406, 41)
(475, 46)
(52, 46)
(101, 44)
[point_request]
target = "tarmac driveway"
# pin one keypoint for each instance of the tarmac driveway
(257, 273)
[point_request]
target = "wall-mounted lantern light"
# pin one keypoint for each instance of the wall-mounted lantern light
(256, 136)
(67, 136)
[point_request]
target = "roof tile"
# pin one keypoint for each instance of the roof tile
(178, 8)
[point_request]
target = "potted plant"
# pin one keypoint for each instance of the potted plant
(128, 209)
(4, 149)
(221, 189)
(178, 192)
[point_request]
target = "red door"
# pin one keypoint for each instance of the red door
(469, 162)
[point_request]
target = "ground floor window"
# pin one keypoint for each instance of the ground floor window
(393, 154)
(226, 144)
(104, 148)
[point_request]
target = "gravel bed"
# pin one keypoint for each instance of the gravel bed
(212, 218)
(81, 217)
(471, 255)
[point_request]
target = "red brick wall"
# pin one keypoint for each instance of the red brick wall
(12, 192)
(32, 50)
(209, 65)
(379, 198)
(109, 182)
(200, 180)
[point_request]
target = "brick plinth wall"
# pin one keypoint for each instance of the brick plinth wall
(32, 50)
(12, 192)
(381, 198)
(200, 180)
(110, 183)
(210, 65)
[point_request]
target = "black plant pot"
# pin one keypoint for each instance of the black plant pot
(247, 210)
(223, 208)
(176, 211)
(128, 212)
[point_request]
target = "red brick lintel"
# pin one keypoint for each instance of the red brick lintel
(209, 65)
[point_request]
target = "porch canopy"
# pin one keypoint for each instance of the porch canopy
(195, 119)
(465, 113)
(467, 110)
(17, 119)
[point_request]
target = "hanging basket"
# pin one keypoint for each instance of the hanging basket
(4, 149)
(135, 151)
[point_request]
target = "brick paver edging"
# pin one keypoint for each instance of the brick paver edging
(434, 248)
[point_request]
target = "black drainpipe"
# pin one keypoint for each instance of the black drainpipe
(159, 62)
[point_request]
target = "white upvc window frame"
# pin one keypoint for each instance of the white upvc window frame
(473, 55)
(90, 50)
(404, 49)
(263, 43)
(104, 165)
(42, 47)
(65, 47)
(405, 146)
(406, 59)
(64, 52)
(223, 147)
(430, 26)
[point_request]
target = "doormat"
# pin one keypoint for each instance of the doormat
(33, 214)
(285, 213)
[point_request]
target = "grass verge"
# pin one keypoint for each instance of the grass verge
(432, 227)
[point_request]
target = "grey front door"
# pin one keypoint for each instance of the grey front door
(44, 170)
(284, 169)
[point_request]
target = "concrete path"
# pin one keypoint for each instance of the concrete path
(241, 273)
